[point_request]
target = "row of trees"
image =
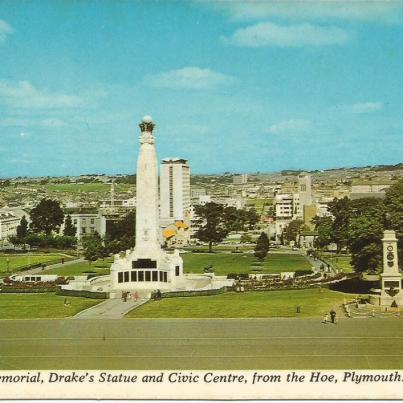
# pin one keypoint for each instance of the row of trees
(219, 221)
(358, 225)
(46, 220)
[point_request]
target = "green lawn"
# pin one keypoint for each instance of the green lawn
(221, 248)
(85, 187)
(101, 267)
(340, 262)
(49, 305)
(241, 263)
(17, 261)
(259, 203)
(77, 188)
(312, 302)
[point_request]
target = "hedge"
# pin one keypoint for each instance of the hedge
(12, 290)
(172, 294)
(354, 285)
(83, 293)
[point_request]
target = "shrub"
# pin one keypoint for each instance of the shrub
(235, 276)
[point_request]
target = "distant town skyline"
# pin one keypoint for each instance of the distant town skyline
(231, 86)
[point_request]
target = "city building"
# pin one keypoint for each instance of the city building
(8, 225)
(304, 192)
(174, 190)
(240, 179)
(87, 221)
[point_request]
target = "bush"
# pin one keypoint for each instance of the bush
(234, 276)
(354, 286)
(300, 273)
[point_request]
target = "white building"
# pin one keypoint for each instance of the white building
(174, 190)
(240, 179)
(8, 224)
(284, 204)
(88, 222)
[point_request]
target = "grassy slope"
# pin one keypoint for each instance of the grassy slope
(241, 263)
(85, 187)
(17, 261)
(101, 267)
(340, 262)
(313, 303)
(29, 306)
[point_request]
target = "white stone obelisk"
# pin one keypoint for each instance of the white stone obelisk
(147, 209)
(391, 278)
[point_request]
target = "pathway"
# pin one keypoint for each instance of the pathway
(38, 270)
(114, 308)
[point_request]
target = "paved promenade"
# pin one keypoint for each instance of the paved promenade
(38, 270)
(201, 344)
(110, 309)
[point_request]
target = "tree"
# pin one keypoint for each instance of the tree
(246, 238)
(365, 243)
(262, 246)
(69, 228)
(292, 229)
(365, 234)
(324, 227)
(121, 234)
(252, 218)
(93, 247)
(22, 229)
(47, 216)
(341, 211)
(215, 227)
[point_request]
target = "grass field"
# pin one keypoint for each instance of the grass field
(85, 187)
(259, 203)
(101, 267)
(312, 303)
(17, 261)
(221, 248)
(49, 305)
(241, 263)
(340, 262)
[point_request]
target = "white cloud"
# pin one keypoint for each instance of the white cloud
(289, 126)
(387, 11)
(5, 30)
(189, 78)
(17, 122)
(24, 95)
(269, 34)
(367, 107)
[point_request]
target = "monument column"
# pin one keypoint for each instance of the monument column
(391, 278)
(147, 210)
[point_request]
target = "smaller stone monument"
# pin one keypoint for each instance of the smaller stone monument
(391, 278)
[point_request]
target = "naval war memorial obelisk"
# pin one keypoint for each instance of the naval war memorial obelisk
(147, 266)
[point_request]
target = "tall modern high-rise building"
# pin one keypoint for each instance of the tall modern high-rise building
(174, 190)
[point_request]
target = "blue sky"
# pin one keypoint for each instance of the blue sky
(239, 86)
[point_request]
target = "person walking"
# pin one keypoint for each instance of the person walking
(325, 318)
(136, 296)
(333, 316)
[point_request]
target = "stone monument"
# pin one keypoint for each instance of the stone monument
(148, 266)
(391, 278)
